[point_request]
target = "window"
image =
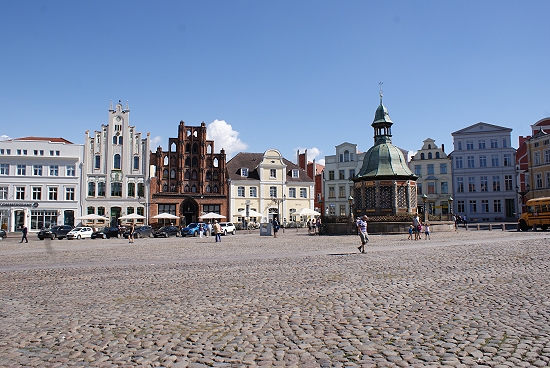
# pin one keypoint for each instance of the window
(429, 156)
(341, 191)
(460, 185)
(273, 173)
(481, 143)
(469, 145)
(496, 183)
(538, 180)
(131, 190)
(37, 193)
(459, 145)
(240, 191)
(431, 169)
(507, 159)
(482, 161)
(473, 206)
(332, 210)
(21, 170)
(422, 157)
(504, 143)
(458, 162)
(19, 152)
(168, 208)
(484, 186)
(292, 192)
(431, 187)
(3, 192)
(547, 156)
(341, 174)
(101, 189)
(494, 143)
(537, 157)
(342, 210)
(54, 170)
(471, 184)
(19, 192)
(346, 156)
(351, 173)
(69, 194)
(91, 189)
(4, 169)
(444, 187)
(253, 192)
(97, 163)
(470, 160)
(52, 193)
(484, 205)
(70, 170)
(494, 160)
(460, 206)
(303, 193)
(331, 175)
(51, 153)
(418, 170)
(37, 170)
(116, 161)
(116, 189)
(244, 172)
(141, 190)
(136, 162)
(418, 188)
(295, 173)
(57, 153)
(508, 182)
(496, 206)
(273, 192)
(331, 193)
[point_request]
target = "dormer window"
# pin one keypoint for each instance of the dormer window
(244, 172)
(295, 173)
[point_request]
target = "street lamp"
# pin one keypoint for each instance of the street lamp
(144, 203)
(522, 193)
(424, 197)
(350, 201)
(451, 206)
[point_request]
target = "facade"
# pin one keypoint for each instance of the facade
(190, 179)
(484, 173)
(433, 168)
(116, 168)
(269, 184)
(314, 171)
(39, 183)
(338, 187)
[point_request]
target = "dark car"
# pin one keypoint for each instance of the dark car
(166, 232)
(107, 232)
(3, 234)
(140, 232)
(58, 232)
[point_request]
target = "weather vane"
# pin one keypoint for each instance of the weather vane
(381, 94)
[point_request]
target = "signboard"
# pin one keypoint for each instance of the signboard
(265, 229)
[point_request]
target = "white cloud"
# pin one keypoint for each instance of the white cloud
(225, 137)
(155, 142)
(312, 154)
(4, 137)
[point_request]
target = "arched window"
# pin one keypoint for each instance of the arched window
(216, 162)
(172, 187)
(429, 146)
(215, 175)
(194, 189)
(195, 148)
(194, 175)
(346, 156)
(209, 149)
(208, 189)
(165, 161)
(172, 174)
(116, 161)
(187, 189)
(115, 139)
(136, 162)
(195, 162)
(173, 147)
(187, 162)
(429, 155)
(165, 174)
(188, 147)
(437, 155)
(215, 189)
(208, 175)
(422, 157)
(120, 140)
(164, 188)
(186, 175)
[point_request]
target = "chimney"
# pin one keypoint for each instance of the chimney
(443, 147)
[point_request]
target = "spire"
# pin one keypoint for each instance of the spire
(111, 106)
(127, 106)
(380, 92)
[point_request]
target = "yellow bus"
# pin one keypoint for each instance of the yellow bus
(537, 215)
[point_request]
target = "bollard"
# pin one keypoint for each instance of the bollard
(503, 227)
(490, 227)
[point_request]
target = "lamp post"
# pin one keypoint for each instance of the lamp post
(451, 206)
(145, 204)
(350, 201)
(424, 197)
(277, 201)
(522, 193)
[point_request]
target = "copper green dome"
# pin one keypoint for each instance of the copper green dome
(384, 161)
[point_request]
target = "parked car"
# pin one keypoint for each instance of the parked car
(107, 232)
(3, 234)
(166, 232)
(58, 232)
(80, 232)
(193, 229)
(140, 232)
(228, 228)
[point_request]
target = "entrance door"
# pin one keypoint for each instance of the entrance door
(509, 207)
(189, 211)
(115, 214)
(69, 218)
(19, 219)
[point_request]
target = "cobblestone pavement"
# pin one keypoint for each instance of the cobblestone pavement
(466, 299)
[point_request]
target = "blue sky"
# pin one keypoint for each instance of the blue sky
(274, 74)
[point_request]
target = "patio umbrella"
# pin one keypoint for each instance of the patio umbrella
(92, 216)
(132, 216)
(211, 215)
(165, 216)
(307, 212)
(251, 213)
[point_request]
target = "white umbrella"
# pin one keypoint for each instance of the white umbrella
(212, 215)
(307, 212)
(165, 215)
(132, 216)
(92, 216)
(251, 213)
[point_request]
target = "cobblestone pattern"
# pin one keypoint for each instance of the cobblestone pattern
(466, 299)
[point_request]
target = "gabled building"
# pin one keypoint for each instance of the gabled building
(269, 184)
(484, 173)
(314, 171)
(433, 168)
(39, 183)
(190, 179)
(116, 167)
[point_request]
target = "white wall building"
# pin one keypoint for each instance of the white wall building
(484, 173)
(116, 168)
(40, 181)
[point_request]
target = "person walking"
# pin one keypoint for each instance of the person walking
(416, 224)
(217, 231)
(131, 233)
(201, 230)
(411, 231)
(208, 229)
(363, 235)
(427, 231)
(275, 224)
(24, 231)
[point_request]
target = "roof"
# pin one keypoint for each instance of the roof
(384, 161)
(48, 139)
(252, 160)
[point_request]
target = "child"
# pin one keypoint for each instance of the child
(427, 231)
(410, 233)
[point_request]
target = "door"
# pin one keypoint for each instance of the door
(510, 207)
(19, 216)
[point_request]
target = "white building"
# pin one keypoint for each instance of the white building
(40, 181)
(116, 168)
(484, 173)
